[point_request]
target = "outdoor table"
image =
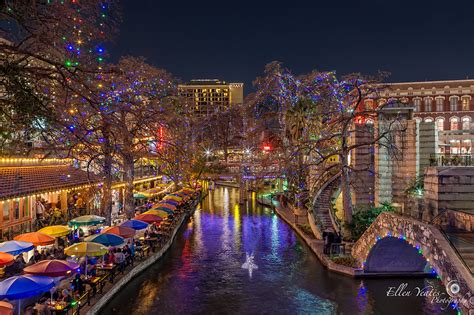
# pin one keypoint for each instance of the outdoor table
(57, 307)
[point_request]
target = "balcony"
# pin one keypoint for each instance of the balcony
(451, 160)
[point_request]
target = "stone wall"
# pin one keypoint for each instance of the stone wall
(427, 238)
(363, 179)
(448, 188)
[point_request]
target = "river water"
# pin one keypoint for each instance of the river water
(202, 272)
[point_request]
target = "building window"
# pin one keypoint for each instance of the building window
(453, 101)
(466, 123)
(440, 124)
(417, 103)
(439, 104)
(369, 104)
(454, 123)
(428, 101)
(428, 119)
(465, 102)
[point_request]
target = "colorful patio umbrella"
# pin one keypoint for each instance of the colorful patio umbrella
(6, 260)
(170, 201)
(20, 287)
(86, 249)
(6, 308)
(16, 247)
(120, 230)
(52, 268)
(55, 230)
(165, 209)
(86, 220)
(159, 213)
(173, 197)
(148, 218)
(139, 196)
(106, 239)
(135, 224)
(37, 238)
(165, 204)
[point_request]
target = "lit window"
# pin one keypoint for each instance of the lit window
(429, 119)
(465, 102)
(440, 124)
(454, 123)
(453, 101)
(428, 102)
(417, 103)
(466, 123)
(439, 104)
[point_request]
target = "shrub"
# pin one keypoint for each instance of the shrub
(345, 261)
(362, 219)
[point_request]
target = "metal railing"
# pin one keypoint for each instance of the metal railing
(440, 159)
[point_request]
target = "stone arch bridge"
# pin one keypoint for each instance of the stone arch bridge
(396, 244)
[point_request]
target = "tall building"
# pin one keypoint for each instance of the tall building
(447, 104)
(210, 96)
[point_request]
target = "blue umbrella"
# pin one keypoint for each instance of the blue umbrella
(106, 239)
(135, 224)
(20, 287)
(15, 247)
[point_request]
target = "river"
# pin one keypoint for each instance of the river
(202, 272)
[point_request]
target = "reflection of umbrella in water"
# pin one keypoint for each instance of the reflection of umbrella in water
(52, 268)
(20, 287)
(15, 247)
(55, 230)
(37, 238)
(106, 239)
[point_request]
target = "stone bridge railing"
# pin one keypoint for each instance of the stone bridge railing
(429, 242)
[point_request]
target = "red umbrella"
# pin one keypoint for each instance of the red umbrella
(52, 268)
(37, 238)
(148, 218)
(120, 230)
(6, 308)
(6, 259)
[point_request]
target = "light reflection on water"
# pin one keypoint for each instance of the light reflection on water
(202, 272)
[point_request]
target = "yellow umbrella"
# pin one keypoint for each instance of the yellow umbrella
(159, 213)
(173, 197)
(86, 249)
(55, 230)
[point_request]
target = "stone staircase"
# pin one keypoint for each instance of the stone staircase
(463, 242)
(322, 205)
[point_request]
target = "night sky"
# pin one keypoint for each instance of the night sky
(233, 40)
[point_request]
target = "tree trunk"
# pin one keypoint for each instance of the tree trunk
(106, 205)
(128, 177)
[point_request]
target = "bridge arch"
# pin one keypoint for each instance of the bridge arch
(427, 240)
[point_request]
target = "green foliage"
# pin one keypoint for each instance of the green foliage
(306, 228)
(361, 220)
(416, 187)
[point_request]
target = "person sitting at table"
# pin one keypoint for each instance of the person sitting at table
(78, 285)
(119, 258)
(41, 308)
(56, 294)
(111, 259)
(66, 297)
(37, 256)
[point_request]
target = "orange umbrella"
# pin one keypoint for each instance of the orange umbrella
(37, 238)
(148, 218)
(6, 308)
(120, 230)
(6, 259)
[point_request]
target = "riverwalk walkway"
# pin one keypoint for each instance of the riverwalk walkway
(316, 245)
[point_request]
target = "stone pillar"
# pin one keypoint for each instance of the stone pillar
(363, 179)
(404, 166)
(383, 168)
(427, 145)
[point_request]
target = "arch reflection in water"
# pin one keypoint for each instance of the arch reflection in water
(202, 272)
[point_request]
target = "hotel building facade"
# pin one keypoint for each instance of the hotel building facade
(210, 96)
